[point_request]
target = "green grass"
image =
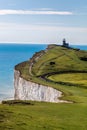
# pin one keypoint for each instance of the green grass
(43, 116)
(65, 59)
(51, 116)
(75, 78)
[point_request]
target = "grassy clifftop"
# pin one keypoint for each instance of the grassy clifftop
(55, 59)
(60, 59)
(62, 68)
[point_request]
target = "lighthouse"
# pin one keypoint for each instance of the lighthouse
(65, 44)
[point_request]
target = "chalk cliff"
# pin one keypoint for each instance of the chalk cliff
(27, 90)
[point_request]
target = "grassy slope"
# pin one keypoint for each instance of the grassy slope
(51, 116)
(43, 116)
(65, 59)
(75, 78)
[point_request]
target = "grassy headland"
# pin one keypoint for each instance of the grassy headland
(55, 67)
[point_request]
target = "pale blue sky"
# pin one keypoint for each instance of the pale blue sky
(43, 21)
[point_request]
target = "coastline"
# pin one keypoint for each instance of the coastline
(21, 55)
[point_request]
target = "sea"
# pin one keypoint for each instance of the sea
(11, 55)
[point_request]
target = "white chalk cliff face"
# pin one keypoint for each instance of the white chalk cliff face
(26, 90)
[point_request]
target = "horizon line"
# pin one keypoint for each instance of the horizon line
(24, 43)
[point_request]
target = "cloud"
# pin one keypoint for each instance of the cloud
(33, 12)
(32, 33)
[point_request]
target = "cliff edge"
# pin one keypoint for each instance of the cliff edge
(39, 78)
(27, 90)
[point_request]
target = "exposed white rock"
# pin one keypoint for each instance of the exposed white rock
(26, 90)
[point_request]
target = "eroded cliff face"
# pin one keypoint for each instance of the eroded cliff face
(26, 90)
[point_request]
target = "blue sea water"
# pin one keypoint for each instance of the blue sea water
(10, 55)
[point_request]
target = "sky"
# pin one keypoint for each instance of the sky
(43, 21)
